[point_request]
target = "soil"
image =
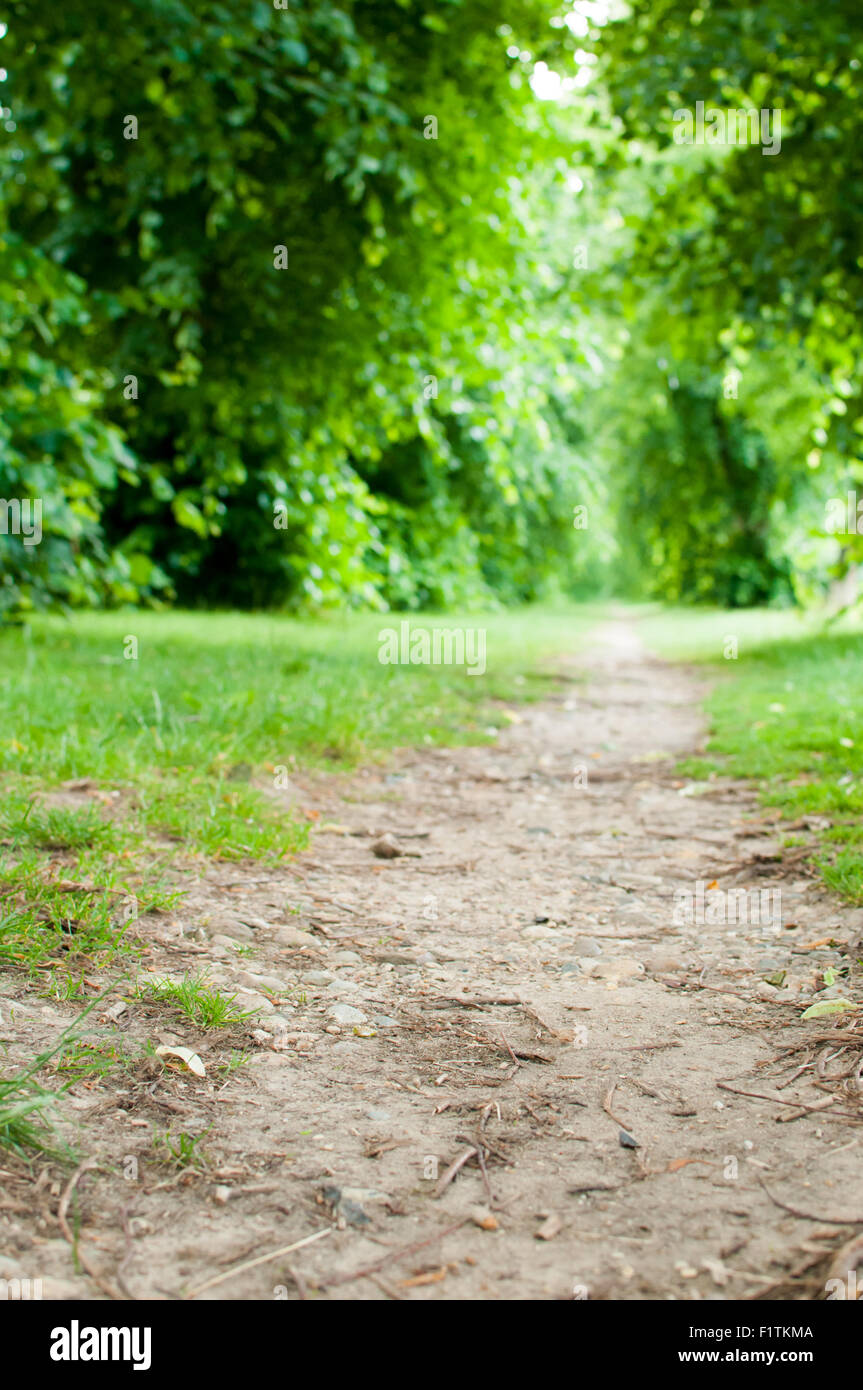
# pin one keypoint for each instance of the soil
(628, 1095)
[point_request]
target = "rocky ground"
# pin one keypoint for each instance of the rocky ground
(503, 1062)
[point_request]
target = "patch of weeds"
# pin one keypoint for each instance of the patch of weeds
(844, 873)
(234, 1063)
(180, 1150)
(788, 716)
(223, 819)
(193, 997)
(31, 825)
(25, 1127)
(41, 922)
(59, 985)
(89, 1060)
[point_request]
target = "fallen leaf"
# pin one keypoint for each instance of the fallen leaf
(829, 1006)
(184, 1054)
(432, 1276)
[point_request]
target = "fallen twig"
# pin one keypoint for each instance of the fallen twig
(451, 1171)
(811, 1215)
(260, 1260)
(369, 1270)
(69, 1234)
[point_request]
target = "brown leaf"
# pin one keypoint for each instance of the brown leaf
(431, 1276)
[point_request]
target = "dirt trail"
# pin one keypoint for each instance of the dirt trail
(530, 995)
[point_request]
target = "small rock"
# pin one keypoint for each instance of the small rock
(222, 1195)
(346, 958)
(377, 1112)
(345, 1208)
(620, 969)
(538, 933)
(286, 935)
(274, 1023)
(248, 1000)
(317, 977)
(387, 848)
(226, 942)
(767, 964)
(550, 1227)
(587, 946)
(662, 964)
(626, 1141)
(259, 982)
(384, 1021)
(346, 1013)
(229, 927)
(717, 1271)
(482, 1217)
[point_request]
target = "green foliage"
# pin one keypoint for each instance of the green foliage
(310, 387)
(738, 264)
(291, 315)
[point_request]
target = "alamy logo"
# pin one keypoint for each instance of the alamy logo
(842, 1289)
(438, 646)
(77, 1343)
(711, 905)
(21, 518)
(719, 127)
(18, 1290)
(844, 516)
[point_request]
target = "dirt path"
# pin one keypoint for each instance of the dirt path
(523, 994)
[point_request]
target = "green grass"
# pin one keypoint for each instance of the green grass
(193, 997)
(179, 1150)
(24, 1127)
(115, 772)
(75, 919)
(200, 723)
(787, 712)
(27, 1106)
(210, 693)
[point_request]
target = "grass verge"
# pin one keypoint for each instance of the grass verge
(786, 712)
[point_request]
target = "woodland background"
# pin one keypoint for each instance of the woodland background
(550, 305)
